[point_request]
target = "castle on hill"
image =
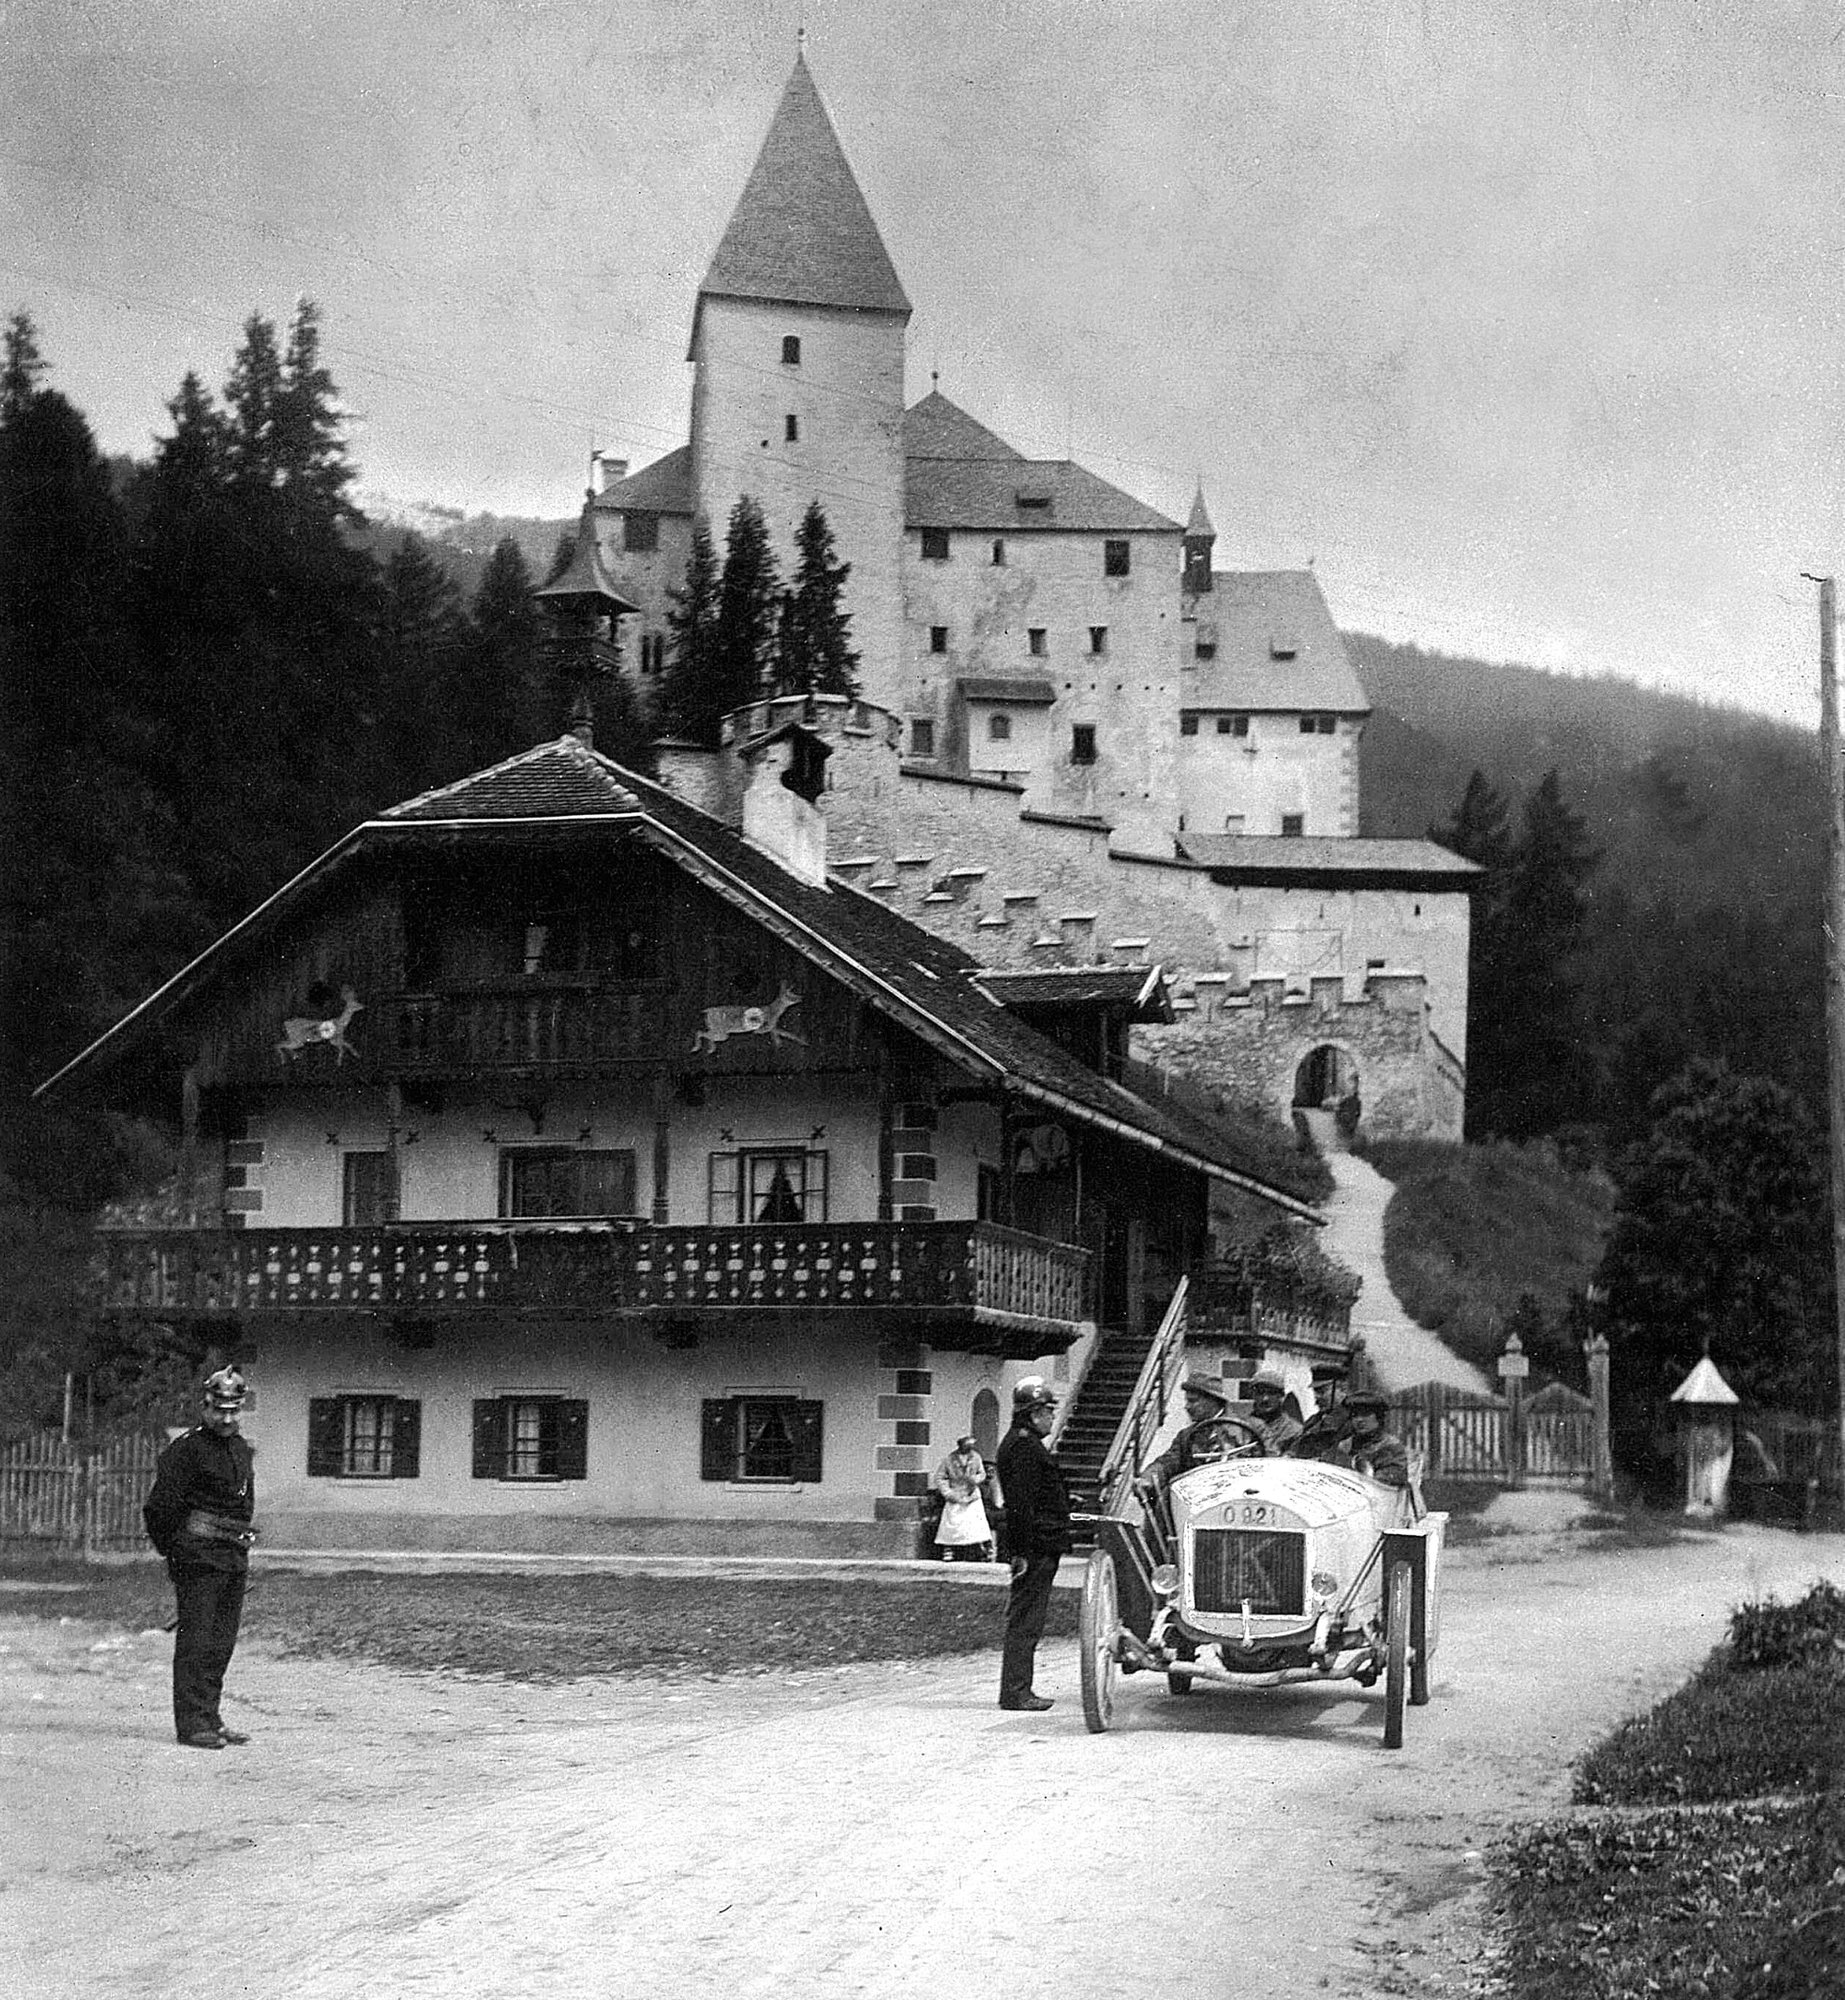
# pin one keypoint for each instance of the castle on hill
(1079, 743)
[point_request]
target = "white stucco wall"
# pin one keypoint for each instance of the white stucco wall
(846, 394)
(1246, 784)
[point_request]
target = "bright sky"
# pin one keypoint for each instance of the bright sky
(1518, 319)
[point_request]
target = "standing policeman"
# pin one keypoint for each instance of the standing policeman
(1037, 1535)
(198, 1516)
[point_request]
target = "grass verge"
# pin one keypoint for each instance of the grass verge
(1719, 1873)
(1479, 1238)
(556, 1628)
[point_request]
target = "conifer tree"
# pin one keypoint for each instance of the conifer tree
(687, 686)
(422, 637)
(22, 366)
(499, 699)
(749, 602)
(814, 651)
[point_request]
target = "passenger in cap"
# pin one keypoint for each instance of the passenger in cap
(1326, 1433)
(1210, 1433)
(1268, 1398)
(1377, 1451)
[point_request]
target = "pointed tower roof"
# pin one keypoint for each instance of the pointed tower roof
(801, 234)
(584, 575)
(1199, 526)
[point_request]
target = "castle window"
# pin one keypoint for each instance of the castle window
(922, 738)
(1206, 649)
(1033, 503)
(1233, 725)
(1188, 725)
(1098, 638)
(1116, 558)
(791, 350)
(1293, 825)
(791, 428)
(999, 555)
(1082, 743)
(999, 729)
(1035, 638)
(1326, 724)
(935, 544)
(640, 533)
(938, 638)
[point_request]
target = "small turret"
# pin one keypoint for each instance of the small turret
(585, 611)
(1200, 539)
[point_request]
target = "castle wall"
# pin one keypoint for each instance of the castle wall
(1052, 583)
(1247, 783)
(846, 397)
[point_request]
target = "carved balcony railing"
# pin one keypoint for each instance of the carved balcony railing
(974, 1275)
(545, 1027)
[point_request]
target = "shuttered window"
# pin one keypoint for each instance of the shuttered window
(531, 1437)
(365, 1197)
(364, 1437)
(772, 1439)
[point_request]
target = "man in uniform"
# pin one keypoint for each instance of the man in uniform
(1037, 1536)
(1376, 1452)
(1324, 1435)
(198, 1516)
(1268, 1393)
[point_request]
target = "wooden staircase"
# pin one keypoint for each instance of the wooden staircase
(1118, 1407)
(1096, 1410)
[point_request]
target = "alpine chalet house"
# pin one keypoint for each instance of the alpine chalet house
(575, 1170)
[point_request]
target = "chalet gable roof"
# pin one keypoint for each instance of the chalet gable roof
(926, 984)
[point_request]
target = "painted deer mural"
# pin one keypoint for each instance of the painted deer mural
(302, 1031)
(723, 1022)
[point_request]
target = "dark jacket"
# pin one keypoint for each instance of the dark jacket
(1326, 1434)
(1037, 1500)
(201, 1472)
(1384, 1458)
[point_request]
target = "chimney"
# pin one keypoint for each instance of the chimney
(610, 471)
(781, 805)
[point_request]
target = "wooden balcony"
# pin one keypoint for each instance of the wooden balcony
(552, 1028)
(966, 1285)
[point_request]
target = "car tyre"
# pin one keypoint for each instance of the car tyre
(1097, 1625)
(1399, 1588)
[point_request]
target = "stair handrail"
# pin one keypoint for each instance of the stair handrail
(1147, 1406)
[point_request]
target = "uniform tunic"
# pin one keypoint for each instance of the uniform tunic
(204, 1472)
(1037, 1501)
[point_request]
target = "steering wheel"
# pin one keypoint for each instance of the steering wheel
(1227, 1437)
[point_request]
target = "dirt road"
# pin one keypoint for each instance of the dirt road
(872, 1831)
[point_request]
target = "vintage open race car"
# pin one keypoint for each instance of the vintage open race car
(1257, 1572)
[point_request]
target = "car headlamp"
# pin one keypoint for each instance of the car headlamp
(1166, 1580)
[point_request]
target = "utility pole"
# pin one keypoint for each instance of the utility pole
(1835, 947)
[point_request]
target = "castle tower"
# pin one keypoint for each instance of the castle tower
(797, 347)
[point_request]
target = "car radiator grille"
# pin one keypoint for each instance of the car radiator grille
(1231, 1564)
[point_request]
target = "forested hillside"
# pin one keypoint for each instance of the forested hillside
(1701, 935)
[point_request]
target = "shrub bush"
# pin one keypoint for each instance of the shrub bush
(1810, 1633)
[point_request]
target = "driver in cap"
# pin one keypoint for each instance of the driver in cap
(1267, 1390)
(1209, 1430)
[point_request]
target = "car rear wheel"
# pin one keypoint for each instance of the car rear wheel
(1097, 1625)
(1399, 1586)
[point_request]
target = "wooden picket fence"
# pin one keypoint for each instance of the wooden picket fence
(56, 1498)
(1549, 1441)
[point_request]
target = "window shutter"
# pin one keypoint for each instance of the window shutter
(487, 1449)
(572, 1439)
(717, 1438)
(326, 1440)
(407, 1442)
(721, 1196)
(804, 1422)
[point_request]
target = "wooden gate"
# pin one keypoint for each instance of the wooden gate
(1547, 1439)
(57, 1499)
